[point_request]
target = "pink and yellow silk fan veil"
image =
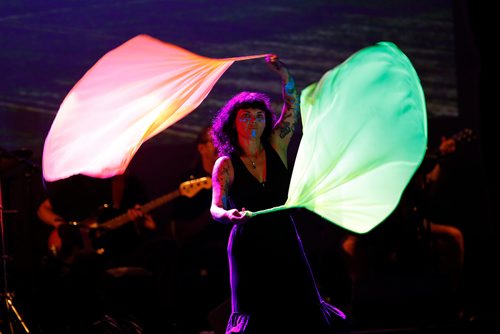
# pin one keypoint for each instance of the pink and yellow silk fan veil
(364, 136)
(130, 95)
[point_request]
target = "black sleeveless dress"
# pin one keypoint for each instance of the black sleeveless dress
(272, 287)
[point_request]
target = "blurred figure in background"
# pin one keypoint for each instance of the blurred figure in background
(420, 237)
(202, 271)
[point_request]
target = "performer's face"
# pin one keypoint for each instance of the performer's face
(208, 150)
(250, 123)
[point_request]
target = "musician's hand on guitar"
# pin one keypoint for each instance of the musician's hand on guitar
(149, 223)
(448, 145)
(54, 242)
(434, 175)
(135, 214)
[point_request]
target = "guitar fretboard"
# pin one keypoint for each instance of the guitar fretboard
(124, 218)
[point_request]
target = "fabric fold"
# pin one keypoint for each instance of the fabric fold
(364, 136)
(130, 95)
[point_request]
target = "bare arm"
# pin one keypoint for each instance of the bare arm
(48, 216)
(285, 126)
(222, 178)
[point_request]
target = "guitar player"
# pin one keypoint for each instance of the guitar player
(83, 199)
(421, 234)
(76, 269)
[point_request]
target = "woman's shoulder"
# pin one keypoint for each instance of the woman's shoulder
(223, 162)
(223, 169)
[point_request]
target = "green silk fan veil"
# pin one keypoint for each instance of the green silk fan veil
(364, 136)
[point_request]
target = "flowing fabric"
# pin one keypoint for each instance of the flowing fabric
(130, 95)
(364, 136)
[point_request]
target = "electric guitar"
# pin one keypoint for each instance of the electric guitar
(83, 237)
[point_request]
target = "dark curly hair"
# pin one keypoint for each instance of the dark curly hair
(223, 130)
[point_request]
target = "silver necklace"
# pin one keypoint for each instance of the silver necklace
(254, 166)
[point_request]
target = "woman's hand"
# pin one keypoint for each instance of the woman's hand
(276, 65)
(235, 216)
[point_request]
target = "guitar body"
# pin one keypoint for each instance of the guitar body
(69, 242)
(87, 238)
(118, 239)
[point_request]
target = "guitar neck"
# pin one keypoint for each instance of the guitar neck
(124, 218)
(465, 135)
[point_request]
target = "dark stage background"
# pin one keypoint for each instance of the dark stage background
(47, 46)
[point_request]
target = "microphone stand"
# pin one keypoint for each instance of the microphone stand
(7, 297)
